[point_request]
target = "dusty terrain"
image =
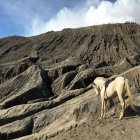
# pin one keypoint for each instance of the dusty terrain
(44, 83)
(108, 129)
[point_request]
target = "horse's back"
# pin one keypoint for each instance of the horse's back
(116, 85)
(120, 79)
(119, 83)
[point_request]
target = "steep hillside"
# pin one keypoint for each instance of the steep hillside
(45, 82)
(91, 44)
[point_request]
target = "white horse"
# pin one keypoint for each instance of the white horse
(110, 88)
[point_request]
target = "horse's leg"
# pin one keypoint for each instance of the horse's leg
(122, 102)
(102, 108)
(102, 103)
(105, 108)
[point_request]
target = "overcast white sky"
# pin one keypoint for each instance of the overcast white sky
(32, 17)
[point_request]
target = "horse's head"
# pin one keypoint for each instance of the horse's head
(96, 88)
(97, 84)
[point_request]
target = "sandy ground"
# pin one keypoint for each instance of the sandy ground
(107, 129)
(110, 128)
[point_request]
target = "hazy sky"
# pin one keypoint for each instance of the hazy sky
(32, 17)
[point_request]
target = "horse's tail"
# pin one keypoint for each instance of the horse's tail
(131, 102)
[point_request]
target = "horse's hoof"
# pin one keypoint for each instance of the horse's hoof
(120, 118)
(100, 118)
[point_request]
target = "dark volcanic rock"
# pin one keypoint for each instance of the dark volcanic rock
(53, 120)
(134, 77)
(45, 80)
(62, 81)
(9, 70)
(97, 44)
(29, 85)
(70, 64)
(82, 79)
(16, 129)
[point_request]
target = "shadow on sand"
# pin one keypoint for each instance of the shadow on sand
(131, 113)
